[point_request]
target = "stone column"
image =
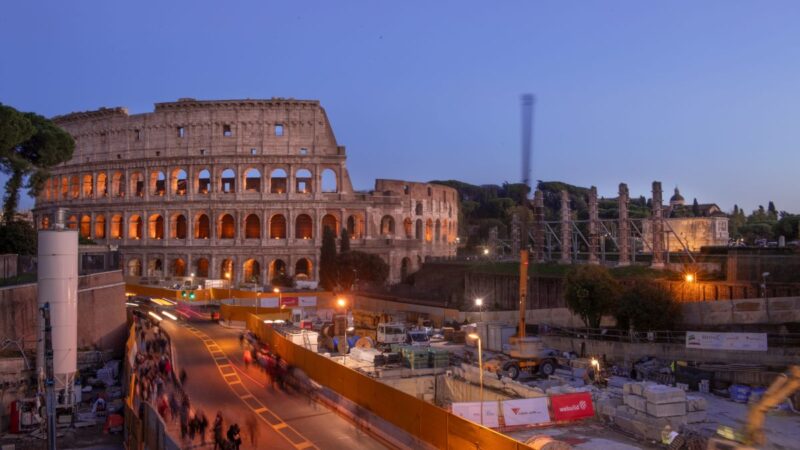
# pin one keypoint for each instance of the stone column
(623, 238)
(566, 229)
(594, 226)
(657, 227)
(538, 227)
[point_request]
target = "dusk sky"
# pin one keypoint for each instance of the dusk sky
(703, 95)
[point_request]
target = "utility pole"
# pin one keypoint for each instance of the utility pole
(50, 394)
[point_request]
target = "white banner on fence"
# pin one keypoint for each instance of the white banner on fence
(526, 411)
(727, 341)
(269, 302)
(308, 301)
(472, 412)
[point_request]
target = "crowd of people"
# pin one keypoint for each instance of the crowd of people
(157, 384)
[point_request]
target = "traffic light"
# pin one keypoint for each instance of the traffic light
(191, 295)
(183, 294)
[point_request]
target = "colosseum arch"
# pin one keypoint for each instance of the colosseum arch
(302, 269)
(44, 223)
(418, 209)
(118, 184)
(116, 229)
(179, 182)
(135, 227)
(158, 183)
(303, 182)
(226, 270)
(227, 181)
(387, 225)
(74, 186)
(355, 226)
(330, 221)
(438, 233)
(201, 267)
(86, 227)
(134, 267)
(277, 181)
(204, 182)
(227, 227)
(418, 230)
(102, 184)
(329, 183)
(277, 227)
(137, 184)
(276, 267)
(177, 226)
(178, 267)
(88, 186)
(252, 271)
(252, 180)
(405, 268)
(202, 227)
(252, 227)
(408, 227)
(155, 267)
(48, 186)
(429, 230)
(100, 226)
(72, 222)
(304, 227)
(155, 226)
(64, 188)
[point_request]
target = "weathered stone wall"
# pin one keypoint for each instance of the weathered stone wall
(695, 232)
(101, 312)
(240, 187)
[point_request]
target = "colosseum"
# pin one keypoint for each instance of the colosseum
(234, 188)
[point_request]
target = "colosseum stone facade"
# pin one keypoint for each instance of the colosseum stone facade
(234, 187)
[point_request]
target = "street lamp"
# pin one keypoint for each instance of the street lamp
(480, 367)
(192, 279)
(486, 251)
(689, 278)
(278, 291)
(479, 304)
(346, 346)
(228, 277)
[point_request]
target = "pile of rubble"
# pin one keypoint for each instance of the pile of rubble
(648, 409)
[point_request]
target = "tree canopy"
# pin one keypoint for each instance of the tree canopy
(29, 146)
(645, 306)
(327, 260)
(591, 291)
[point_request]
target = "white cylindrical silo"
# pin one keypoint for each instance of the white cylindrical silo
(58, 286)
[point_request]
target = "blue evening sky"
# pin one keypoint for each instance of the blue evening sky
(700, 94)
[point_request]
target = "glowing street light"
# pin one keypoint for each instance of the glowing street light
(689, 278)
(486, 251)
(278, 291)
(479, 304)
(480, 367)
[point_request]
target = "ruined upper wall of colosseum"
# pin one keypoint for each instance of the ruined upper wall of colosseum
(279, 127)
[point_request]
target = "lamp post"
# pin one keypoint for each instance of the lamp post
(228, 277)
(480, 367)
(341, 302)
(764, 288)
(278, 291)
(191, 275)
(479, 304)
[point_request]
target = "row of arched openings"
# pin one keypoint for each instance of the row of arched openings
(251, 268)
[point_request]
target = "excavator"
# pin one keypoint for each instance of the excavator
(753, 436)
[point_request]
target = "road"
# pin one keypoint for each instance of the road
(217, 380)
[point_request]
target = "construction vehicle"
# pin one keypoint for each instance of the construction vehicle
(753, 436)
(391, 333)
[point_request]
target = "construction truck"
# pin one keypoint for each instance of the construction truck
(753, 437)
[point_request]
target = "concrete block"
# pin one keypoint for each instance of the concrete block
(695, 403)
(608, 406)
(635, 402)
(666, 409)
(617, 382)
(627, 388)
(642, 426)
(659, 393)
(638, 388)
(696, 416)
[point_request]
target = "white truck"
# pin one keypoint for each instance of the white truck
(391, 333)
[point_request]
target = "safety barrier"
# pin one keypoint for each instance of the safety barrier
(421, 419)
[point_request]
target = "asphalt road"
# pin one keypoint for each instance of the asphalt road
(217, 380)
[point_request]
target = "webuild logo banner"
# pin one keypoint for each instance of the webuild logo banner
(526, 411)
(572, 406)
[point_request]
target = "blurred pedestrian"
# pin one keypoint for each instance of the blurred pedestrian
(218, 424)
(252, 430)
(202, 424)
(234, 436)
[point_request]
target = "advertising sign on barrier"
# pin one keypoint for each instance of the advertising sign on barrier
(727, 341)
(526, 411)
(308, 301)
(472, 412)
(572, 406)
(270, 302)
(290, 301)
